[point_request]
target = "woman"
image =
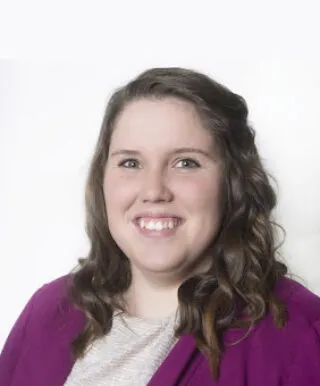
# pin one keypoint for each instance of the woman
(182, 285)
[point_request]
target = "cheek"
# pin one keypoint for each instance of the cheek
(200, 195)
(119, 192)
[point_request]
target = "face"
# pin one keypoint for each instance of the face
(162, 187)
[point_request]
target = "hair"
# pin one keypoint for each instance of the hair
(238, 289)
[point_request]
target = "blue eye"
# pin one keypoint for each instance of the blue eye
(130, 163)
(188, 163)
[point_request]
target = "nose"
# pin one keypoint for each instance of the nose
(155, 187)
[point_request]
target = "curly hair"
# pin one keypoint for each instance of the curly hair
(237, 291)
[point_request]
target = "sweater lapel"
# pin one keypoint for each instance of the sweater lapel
(173, 367)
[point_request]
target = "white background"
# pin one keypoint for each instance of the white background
(60, 62)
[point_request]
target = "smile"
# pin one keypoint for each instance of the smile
(158, 224)
(158, 227)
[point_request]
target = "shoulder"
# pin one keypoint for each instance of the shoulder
(53, 309)
(289, 355)
(51, 305)
(303, 318)
(303, 306)
(299, 340)
(52, 294)
(48, 319)
(302, 315)
(293, 350)
(268, 355)
(48, 308)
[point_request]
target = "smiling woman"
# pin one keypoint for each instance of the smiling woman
(183, 284)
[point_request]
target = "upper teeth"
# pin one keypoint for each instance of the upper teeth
(157, 225)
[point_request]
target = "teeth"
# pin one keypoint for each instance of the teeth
(157, 225)
(151, 225)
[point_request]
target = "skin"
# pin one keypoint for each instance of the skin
(158, 176)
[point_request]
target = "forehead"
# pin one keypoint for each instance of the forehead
(160, 124)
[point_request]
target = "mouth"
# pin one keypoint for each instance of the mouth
(155, 226)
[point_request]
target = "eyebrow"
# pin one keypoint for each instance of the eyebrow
(179, 150)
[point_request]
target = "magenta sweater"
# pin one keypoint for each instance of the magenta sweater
(37, 351)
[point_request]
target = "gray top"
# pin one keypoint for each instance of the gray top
(128, 356)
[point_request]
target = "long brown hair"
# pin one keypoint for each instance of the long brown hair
(245, 265)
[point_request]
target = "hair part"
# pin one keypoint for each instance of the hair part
(244, 266)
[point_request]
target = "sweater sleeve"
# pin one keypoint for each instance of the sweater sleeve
(305, 367)
(13, 346)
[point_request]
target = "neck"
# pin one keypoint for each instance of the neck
(151, 299)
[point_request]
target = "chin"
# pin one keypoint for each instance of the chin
(161, 265)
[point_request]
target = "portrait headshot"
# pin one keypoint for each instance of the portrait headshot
(160, 224)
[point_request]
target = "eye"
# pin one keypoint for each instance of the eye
(188, 163)
(130, 163)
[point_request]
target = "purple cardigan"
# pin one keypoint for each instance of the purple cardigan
(37, 351)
